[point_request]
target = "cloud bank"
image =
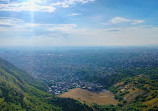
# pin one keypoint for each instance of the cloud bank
(37, 5)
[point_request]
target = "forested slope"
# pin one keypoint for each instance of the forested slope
(136, 89)
(139, 92)
(19, 91)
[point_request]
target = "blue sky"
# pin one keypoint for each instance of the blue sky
(78, 22)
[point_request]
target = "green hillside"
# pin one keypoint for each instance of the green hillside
(138, 93)
(137, 90)
(20, 92)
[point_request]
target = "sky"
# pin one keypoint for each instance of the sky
(78, 22)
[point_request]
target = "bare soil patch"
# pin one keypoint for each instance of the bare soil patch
(85, 96)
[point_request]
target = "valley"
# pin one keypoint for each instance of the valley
(87, 79)
(78, 55)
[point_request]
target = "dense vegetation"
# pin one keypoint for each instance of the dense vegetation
(19, 91)
(135, 93)
(130, 73)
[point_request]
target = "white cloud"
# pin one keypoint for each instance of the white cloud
(134, 22)
(21, 33)
(26, 6)
(5, 1)
(68, 3)
(9, 21)
(70, 30)
(13, 24)
(116, 20)
(104, 37)
(73, 14)
(119, 20)
(37, 5)
(112, 29)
